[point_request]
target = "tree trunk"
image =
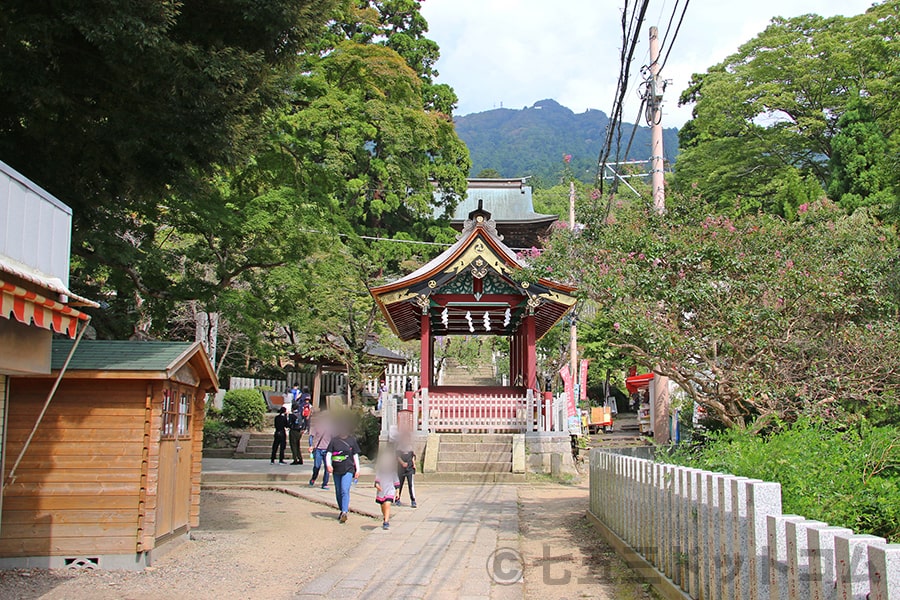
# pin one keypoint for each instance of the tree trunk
(207, 331)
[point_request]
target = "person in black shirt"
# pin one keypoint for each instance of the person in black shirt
(280, 441)
(406, 468)
(297, 424)
(342, 461)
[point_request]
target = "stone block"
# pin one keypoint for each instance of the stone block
(763, 500)
(777, 558)
(432, 449)
(822, 578)
(884, 572)
(851, 564)
(518, 453)
(797, 553)
(723, 537)
(740, 538)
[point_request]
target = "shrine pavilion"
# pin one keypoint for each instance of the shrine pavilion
(510, 202)
(477, 287)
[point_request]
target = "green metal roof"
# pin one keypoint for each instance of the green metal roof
(108, 355)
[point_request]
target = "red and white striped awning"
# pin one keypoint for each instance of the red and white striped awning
(29, 307)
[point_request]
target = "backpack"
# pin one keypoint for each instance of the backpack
(305, 412)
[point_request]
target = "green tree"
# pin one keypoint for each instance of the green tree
(115, 105)
(489, 174)
(764, 119)
(860, 172)
(750, 316)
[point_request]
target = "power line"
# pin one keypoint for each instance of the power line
(669, 26)
(675, 35)
(631, 28)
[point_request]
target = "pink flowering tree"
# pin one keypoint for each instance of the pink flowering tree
(752, 316)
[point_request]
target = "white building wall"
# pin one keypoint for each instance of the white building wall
(35, 227)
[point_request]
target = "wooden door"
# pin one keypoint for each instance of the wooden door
(174, 491)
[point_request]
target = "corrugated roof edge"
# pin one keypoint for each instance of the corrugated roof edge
(34, 187)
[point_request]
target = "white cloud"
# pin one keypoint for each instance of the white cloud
(516, 52)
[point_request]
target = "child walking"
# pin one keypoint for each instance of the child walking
(386, 482)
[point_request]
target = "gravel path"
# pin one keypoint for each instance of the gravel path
(515, 541)
(251, 544)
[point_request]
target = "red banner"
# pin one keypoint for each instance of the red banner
(569, 387)
(584, 374)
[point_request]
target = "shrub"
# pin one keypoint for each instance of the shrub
(244, 408)
(215, 433)
(848, 477)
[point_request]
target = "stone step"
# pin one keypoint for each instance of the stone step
(474, 438)
(504, 456)
(474, 449)
(470, 478)
(473, 467)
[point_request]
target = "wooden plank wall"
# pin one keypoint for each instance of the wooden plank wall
(78, 488)
(199, 416)
(3, 387)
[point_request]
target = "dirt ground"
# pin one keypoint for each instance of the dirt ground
(563, 554)
(250, 545)
(263, 544)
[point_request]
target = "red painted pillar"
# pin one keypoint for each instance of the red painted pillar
(426, 365)
(530, 354)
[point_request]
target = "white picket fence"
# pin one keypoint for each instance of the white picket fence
(336, 383)
(470, 413)
(717, 536)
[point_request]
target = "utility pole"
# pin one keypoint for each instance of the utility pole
(655, 92)
(660, 387)
(573, 329)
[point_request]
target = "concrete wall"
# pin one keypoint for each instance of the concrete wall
(540, 450)
(715, 536)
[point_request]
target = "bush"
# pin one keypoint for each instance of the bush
(216, 434)
(848, 477)
(244, 408)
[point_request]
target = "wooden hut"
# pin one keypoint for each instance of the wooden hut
(113, 471)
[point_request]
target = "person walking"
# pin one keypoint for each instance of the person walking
(342, 461)
(280, 440)
(386, 483)
(296, 427)
(406, 468)
(319, 439)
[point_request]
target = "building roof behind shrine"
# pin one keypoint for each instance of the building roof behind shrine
(511, 205)
(475, 287)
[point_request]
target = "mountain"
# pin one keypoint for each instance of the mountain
(533, 140)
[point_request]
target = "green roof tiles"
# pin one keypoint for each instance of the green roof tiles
(108, 355)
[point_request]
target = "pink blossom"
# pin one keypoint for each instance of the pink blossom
(595, 193)
(641, 256)
(567, 158)
(681, 274)
(789, 264)
(803, 208)
(616, 326)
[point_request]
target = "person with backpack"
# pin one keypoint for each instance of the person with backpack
(296, 426)
(305, 400)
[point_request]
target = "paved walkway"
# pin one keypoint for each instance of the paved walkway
(462, 542)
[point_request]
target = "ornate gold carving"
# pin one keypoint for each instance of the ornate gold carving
(479, 268)
(525, 285)
(533, 303)
(432, 283)
(424, 303)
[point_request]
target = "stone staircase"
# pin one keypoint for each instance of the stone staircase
(456, 374)
(259, 446)
(472, 458)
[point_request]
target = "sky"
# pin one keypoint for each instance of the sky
(513, 53)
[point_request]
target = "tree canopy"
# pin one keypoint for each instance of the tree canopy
(773, 124)
(750, 315)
